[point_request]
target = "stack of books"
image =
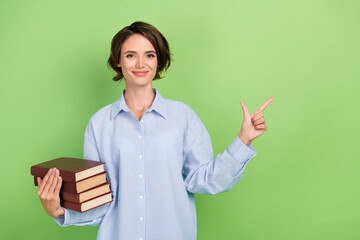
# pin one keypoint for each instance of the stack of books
(84, 185)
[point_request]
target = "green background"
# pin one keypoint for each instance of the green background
(304, 181)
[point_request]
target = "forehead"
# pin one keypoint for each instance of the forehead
(137, 43)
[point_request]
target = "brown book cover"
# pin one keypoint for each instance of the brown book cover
(83, 185)
(86, 195)
(89, 204)
(71, 169)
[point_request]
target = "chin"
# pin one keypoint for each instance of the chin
(139, 83)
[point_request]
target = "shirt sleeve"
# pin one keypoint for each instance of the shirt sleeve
(92, 217)
(205, 174)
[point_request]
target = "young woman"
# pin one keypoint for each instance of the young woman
(157, 152)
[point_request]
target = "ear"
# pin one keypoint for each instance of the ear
(118, 65)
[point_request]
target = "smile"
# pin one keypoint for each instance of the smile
(140, 73)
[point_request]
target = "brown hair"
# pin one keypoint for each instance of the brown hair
(158, 41)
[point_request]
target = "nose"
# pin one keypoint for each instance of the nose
(140, 62)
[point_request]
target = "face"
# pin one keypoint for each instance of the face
(138, 61)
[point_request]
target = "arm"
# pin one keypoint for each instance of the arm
(94, 216)
(207, 175)
(204, 173)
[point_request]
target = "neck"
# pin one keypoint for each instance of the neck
(139, 98)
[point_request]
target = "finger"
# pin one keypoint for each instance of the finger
(261, 127)
(44, 181)
(255, 113)
(58, 186)
(54, 181)
(259, 121)
(245, 110)
(48, 184)
(39, 180)
(264, 105)
(257, 116)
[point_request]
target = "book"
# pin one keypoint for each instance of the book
(83, 185)
(89, 204)
(71, 169)
(86, 195)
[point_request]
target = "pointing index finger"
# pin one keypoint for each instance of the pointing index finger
(264, 105)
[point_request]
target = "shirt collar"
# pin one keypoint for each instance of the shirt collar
(159, 105)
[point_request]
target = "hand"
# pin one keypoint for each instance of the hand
(48, 192)
(253, 125)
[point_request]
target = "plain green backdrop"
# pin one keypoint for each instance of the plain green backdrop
(304, 181)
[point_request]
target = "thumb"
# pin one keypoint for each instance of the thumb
(245, 111)
(58, 185)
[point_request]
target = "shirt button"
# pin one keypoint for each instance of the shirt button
(141, 219)
(140, 137)
(140, 239)
(142, 121)
(140, 156)
(141, 196)
(140, 176)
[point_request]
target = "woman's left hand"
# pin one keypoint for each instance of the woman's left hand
(253, 125)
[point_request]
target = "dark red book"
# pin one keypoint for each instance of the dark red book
(86, 195)
(71, 169)
(89, 204)
(83, 185)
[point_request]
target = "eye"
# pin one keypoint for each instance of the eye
(129, 55)
(151, 55)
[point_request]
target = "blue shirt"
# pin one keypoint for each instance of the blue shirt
(155, 166)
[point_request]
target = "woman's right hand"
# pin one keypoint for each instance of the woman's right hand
(48, 192)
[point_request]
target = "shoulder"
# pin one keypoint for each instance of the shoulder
(177, 105)
(102, 115)
(180, 107)
(182, 111)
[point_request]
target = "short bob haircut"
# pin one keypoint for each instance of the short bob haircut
(158, 41)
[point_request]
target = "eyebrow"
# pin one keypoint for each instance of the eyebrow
(130, 51)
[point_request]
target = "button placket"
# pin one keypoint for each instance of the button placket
(141, 182)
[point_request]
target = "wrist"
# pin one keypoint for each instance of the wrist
(244, 139)
(60, 212)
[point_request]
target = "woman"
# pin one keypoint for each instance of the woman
(157, 151)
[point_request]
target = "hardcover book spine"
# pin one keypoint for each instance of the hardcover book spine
(71, 197)
(66, 186)
(41, 172)
(78, 206)
(72, 206)
(86, 195)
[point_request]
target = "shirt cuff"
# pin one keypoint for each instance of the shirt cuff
(68, 218)
(240, 151)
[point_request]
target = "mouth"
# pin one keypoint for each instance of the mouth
(140, 73)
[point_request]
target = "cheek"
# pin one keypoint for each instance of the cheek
(128, 65)
(154, 64)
